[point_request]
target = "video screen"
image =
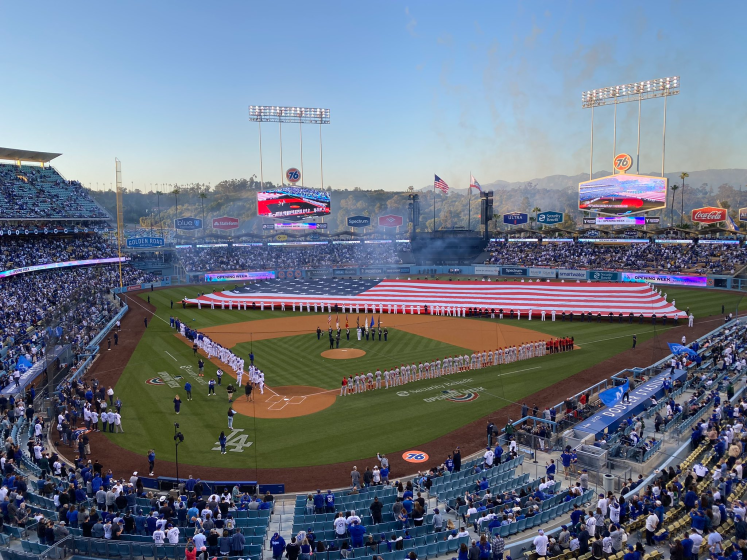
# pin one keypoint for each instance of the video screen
(623, 194)
(292, 202)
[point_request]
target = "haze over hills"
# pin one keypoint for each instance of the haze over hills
(712, 177)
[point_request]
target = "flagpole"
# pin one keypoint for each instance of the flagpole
(469, 202)
(434, 204)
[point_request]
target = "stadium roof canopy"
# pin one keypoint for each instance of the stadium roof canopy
(27, 155)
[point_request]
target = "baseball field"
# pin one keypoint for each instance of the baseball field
(300, 431)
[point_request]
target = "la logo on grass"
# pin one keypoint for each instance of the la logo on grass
(235, 442)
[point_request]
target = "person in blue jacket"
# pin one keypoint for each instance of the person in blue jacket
(151, 462)
(318, 502)
(277, 543)
(691, 499)
(356, 531)
(498, 453)
(631, 554)
(550, 469)
(96, 483)
(188, 389)
(140, 523)
(329, 502)
(222, 440)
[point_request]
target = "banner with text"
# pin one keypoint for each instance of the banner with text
(675, 280)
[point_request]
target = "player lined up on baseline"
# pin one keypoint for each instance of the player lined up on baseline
(455, 364)
(213, 349)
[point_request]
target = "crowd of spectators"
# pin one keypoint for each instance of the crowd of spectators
(263, 257)
(659, 257)
(75, 299)
(18, 252)
(40, 192)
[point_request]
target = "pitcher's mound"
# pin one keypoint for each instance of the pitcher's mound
(343, 353)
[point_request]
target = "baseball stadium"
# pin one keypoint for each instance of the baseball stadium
(261, 369)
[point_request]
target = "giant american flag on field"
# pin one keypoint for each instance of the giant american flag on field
(360, 295)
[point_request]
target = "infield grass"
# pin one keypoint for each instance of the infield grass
(357, 426)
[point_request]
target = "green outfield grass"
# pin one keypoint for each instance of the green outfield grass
(356, 426)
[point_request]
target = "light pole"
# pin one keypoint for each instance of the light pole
(636, 91)
(299, 115)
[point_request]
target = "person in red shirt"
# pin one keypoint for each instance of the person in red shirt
(344, 388)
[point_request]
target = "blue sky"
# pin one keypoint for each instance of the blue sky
(414, 88)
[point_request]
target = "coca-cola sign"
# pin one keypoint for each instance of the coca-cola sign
(709, 215)
(225, 223)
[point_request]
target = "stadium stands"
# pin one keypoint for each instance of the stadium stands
(74, 299)
(651, 257)
(28, 192)
(269, 257)
(20, 252)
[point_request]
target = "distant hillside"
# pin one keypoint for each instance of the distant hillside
(238, 198)
(712, 177)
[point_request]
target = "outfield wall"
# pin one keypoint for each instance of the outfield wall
(488, 270)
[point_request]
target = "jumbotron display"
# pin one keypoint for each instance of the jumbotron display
(292, 202)
(623, 194)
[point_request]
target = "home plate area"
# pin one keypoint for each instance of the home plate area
(279, 402)
(288, 401)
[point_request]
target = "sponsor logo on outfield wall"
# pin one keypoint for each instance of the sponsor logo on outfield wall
(664, 279)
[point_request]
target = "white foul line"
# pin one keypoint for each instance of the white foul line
(172, 357)
(517, 371)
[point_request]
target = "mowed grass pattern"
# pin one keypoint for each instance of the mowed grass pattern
(357, 426)
(297, 360)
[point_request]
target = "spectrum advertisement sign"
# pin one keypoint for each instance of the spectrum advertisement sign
(664, 279)
(513, 271)
(229, 276)
(66, 264)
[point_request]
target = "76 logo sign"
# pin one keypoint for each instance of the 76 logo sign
(415, 456)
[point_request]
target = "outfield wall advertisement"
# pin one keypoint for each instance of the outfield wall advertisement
(543, 273)
(675, 280)
(567, 274)
(229, 276)
(488, 270)
(513, 271)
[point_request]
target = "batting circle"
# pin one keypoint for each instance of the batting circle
(415, 456)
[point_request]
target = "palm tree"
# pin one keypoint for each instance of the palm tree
(158, 203)
(671, 209)
(203, 196)
(176, 192)
(535, 210)
(684, 175)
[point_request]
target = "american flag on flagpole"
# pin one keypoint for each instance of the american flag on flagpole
(440, 184)
(473, 184)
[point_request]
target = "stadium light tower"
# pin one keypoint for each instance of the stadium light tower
(280, 115)
(636, 91)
